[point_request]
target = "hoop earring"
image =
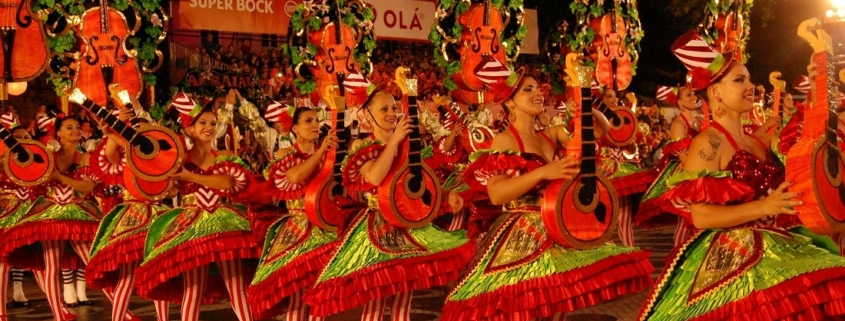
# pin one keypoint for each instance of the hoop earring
(511, 117)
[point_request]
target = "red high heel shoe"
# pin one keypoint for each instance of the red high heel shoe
(67, 316)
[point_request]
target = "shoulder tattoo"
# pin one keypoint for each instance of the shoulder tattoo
(715, 142)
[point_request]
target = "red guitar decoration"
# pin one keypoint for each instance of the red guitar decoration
(817, 152)
(104, 32)
(410, 196)
(480, 37)
(730, 29)
(24, 43)
(321, 192)
(337, 42)
(623, 123)
(582, 212)
(26, 162)
(779, 86)
(472, 138)
(613, 68)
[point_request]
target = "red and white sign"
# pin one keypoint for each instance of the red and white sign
(248, 16)
(402, 19)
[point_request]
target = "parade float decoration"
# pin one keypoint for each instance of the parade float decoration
(727, 27)
(471, 35)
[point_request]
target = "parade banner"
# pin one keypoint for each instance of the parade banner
(219, 80)
(248, 16)
(403, 19)
(530, 43)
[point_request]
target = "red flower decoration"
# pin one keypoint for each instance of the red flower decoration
(699, 78)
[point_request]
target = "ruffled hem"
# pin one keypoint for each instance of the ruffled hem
(22, 235)
(103, 269)
(633, 184)
(811, 296)
(707, 189)
(276, 174)
(267, 297)
(562, 292)
(650, 215)
(352, 178)
(154, 279)
(386, 279)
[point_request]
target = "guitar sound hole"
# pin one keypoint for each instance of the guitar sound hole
(426, 197)
(337, 190)
(164, 145)
(145, 145)
(601, 212)
(586, 194)
(23, 157)
(832, 162)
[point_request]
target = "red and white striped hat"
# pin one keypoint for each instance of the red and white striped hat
(491, 70)
(704, 62)
(280, 113)
(187, 108)
(802, 84)
(45, 123)
(9, 120)
(667, 94)
(357, 89)
(561, 107)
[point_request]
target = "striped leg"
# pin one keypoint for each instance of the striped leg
(233, 276)
(4, 286)
(682, 232)
(626, 231)
(39, 279)
(458, 220)
(373, 310)
(17, 284)
(69, 291)
(559, 317)
(194, 284)
(123, 291)
(162, 310)
(297, 310)
(50, 279)
(83, 249)
(401, 308)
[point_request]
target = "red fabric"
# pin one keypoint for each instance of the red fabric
(244, 181)
(268, 298)
(15, 250)
(562, 292)
(263, 193)
(158, 279)
(277, 178)
(672, 150)
(708, 190)
(352, 178)
(260, 218)
(103, 270)
(791, 132)
(650, 215)
(106, 171)
(635, 183)
(386, 279)
(482, 215)
(489, 165)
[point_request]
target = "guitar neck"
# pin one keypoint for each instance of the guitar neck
(414, 138)
(125, 131)
(611, 116)
(588, 137)
(461, 116)
(825, 92)
(9, 140)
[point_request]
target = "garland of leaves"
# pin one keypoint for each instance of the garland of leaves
(715, 9)
(556, 46)
(446, 34)
(581, 38)
(65, 49)
(309, 18)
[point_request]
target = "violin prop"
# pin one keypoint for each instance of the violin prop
(155, 152)
(335, 54)
(730, 29)
(817, 152)
(473, 138)
(24, 43)
(481, 37)
(581, 212)
(613, 68)
(779, 86)
(410, 196)
(104, 32)
(320, 194)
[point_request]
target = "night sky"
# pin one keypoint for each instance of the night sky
(774, 44)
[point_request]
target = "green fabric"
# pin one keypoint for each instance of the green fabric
(111, 221)
(232, 159)
(357, 149)
(316, 238)
(84, 211)
(821, 241)
(10, 202)
(783, 258)
(223, 219)
(625, 169)
(481, 152)
(555, 259)
(683, 175)
(357, 252)
(660, 185)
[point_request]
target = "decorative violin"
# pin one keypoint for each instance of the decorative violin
(730, 29)
(155, 152)
(335, 55)
(623, 123)
(321, 192)
(410, 196)
(473, 138)
(104, 32)
(779, 86)
(480, 37)
(817, 151)
(613, 68)
(24, 43)
(582, 212)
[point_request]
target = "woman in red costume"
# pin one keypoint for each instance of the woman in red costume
(295, 250)
(518, 272)
(749, 260)
(183, 243)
